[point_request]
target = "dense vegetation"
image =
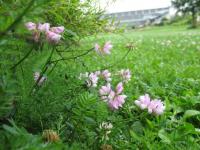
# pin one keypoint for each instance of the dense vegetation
(64, 112)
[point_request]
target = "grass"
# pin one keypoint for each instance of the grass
(164, 63)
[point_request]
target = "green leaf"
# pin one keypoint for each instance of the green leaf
(190, 113)
(163, 135)
(134, 135)
(10, 129)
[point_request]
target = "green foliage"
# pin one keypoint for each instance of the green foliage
(81, 18)
(188, 6)
(164, 63)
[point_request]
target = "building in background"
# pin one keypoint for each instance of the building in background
(140, 17)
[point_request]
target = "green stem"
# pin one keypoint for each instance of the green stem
(20, 61)
(44, 69)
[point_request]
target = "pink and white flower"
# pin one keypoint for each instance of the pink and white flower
(106, 92)
(52, 34)
(156, 107)
(143, 102)
(119, 88)
(43, 27)
(92, 80)
(106, 75)
(117, 102)
(53, 37)
(97, 73)
(107, 47)
(30, 26)
(113, 98)
(58, 30)
(125, 75)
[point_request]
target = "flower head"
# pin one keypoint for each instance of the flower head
(119, 88)
(113, 98)
(103, 50)
(53, 37)
(143, 101)
(156, 106)
(117, 102)
(107, 47)
(105, 90)
(125, 75)
(97, 72)
(30, 26)
(92, 80)
(153, 106)
(106, 75)
(43, 27)
(58, 30)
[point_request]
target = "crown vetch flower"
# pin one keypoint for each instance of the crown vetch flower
(93, 80)
(117, 102)
(30, 26)
(107, 47)
(97, 72)
(125, 75)
(105, 50)
(105, 90)
(53, 37)
(119, 88)
(156, 106)
(58, 30)
(43, 27)
(153, 106)
(114, 100)
(143, 101)
(106, 75)
(52, 34)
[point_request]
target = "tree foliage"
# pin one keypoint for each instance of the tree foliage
(188, 6)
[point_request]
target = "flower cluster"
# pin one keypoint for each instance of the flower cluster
(93, 77)
(105, 49)
(153, 106)
(52, 34)
(106, 127)
(125, 75)
(37, 76)
(106, 75)
(114, 98)
(92, 80)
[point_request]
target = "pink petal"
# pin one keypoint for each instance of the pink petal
(119, 88)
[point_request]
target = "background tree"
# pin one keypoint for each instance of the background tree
(188, 6)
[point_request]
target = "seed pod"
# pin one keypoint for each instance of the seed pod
(50, 136)
(106, 147)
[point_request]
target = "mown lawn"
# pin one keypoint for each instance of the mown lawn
(164, 63)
